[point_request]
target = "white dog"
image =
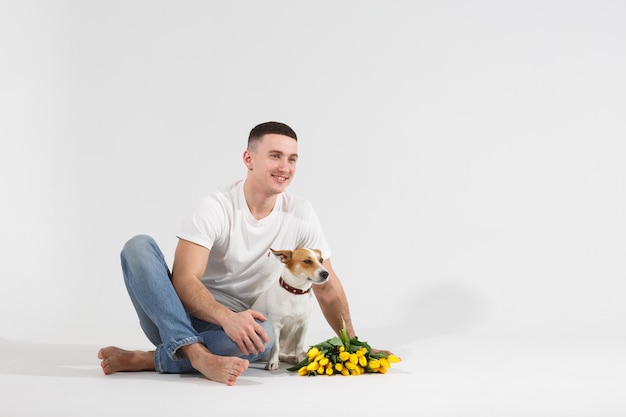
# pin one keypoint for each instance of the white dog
(288, 302)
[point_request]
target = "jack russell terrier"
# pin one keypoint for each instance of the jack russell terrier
(288, 302)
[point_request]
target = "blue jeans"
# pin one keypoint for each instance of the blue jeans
(162, 316)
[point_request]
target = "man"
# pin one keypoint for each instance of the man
(199, 316)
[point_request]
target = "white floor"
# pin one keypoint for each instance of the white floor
(445, 376)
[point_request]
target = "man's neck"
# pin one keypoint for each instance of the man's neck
(259, 204)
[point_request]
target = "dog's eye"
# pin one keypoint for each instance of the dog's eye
(321, 260)
(308, 261)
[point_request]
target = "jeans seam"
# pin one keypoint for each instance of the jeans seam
(172, 348)
(157, 359)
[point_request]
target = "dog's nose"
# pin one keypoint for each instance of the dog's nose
(324, 274)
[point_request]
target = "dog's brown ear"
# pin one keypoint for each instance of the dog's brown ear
(319, 254)
(282, 255)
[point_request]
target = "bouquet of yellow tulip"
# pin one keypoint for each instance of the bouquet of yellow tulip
(344, 356)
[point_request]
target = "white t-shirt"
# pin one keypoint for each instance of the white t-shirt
(240, 264)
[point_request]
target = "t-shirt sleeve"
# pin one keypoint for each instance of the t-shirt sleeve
(204, 224)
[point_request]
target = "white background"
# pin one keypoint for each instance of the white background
(466, 158)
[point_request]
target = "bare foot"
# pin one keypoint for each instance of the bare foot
(114, 359)
(224, 369)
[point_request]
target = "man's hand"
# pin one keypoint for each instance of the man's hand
(249, 335)
(382, 350)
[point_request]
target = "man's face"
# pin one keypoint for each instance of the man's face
(273, 163)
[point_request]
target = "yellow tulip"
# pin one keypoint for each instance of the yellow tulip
(384, 363)
(313, 352)
(345, 372)
(329, 370)
(374, 364)
(353, 358)
(362, 360)
(382, 370)
(350, 365)
(393, 358)
(313, 366)
(324, 361)
(339, 367)
(344, 356)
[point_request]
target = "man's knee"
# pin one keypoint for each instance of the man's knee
(136, 246)
(139, 257)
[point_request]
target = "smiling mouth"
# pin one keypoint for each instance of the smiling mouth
(280, 178)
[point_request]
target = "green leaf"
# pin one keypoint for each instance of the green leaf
(325, 346)
(297, 366)
(344, 334)
(335, 341)
(362, 344)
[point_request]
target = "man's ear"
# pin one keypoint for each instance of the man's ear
(247, 159)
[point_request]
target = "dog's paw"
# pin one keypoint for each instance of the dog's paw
(272, 365)
(292, 359)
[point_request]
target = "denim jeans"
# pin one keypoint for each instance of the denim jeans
(161, 314)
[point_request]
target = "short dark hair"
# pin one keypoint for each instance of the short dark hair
(270, 128)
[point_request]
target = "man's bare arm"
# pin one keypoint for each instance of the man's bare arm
(190, 261)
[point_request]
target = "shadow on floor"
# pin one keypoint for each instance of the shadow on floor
(42, 359)
(81, 361)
